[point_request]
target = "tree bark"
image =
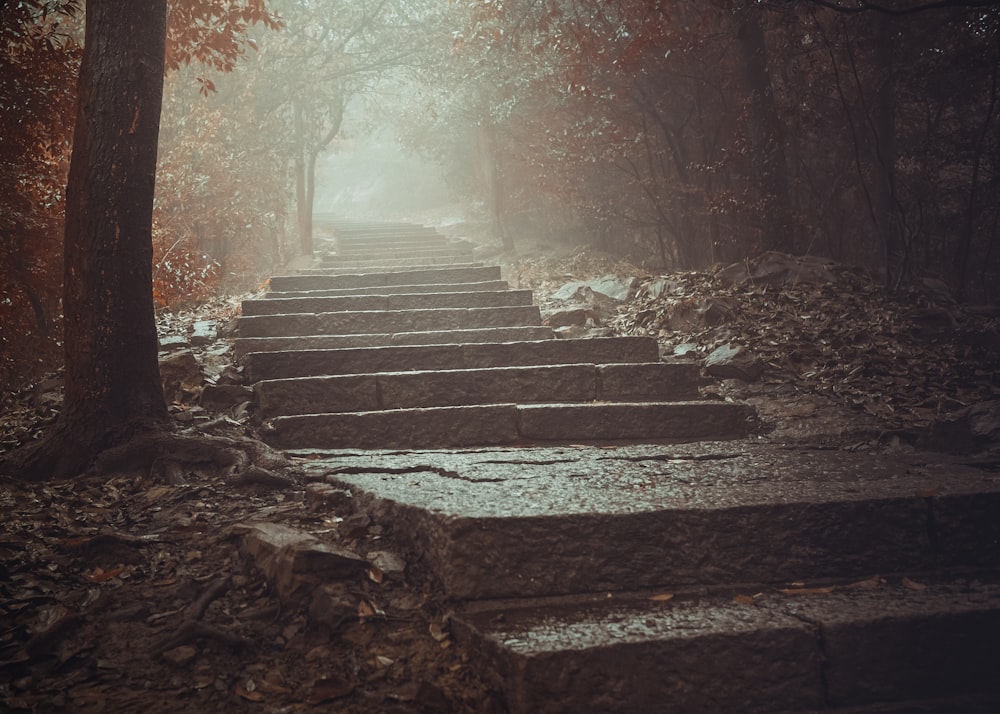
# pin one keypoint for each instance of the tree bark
(112, 380)
(765, 134)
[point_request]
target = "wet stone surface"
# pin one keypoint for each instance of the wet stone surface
(512, 482)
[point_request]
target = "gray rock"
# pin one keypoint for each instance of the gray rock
(687, 350)
(172, 342)
(203, 332)
(223, 397)
(570, 316)
(181, 376)
(612, 286)
(734, 362)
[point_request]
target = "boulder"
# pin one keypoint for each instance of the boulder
(734, 362)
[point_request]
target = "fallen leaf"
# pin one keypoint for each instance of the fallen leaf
(383, 661)
(807, 591)
(913, 585)
(374, 574)
(743, 599)
(326, 689)
(253, 696)
(869, 583)
(437, 632)
(100, 575)
(662, 597)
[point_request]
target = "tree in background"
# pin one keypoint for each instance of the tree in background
(40, 50)
(681, 133)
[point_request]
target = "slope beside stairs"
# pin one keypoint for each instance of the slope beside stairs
(609, 542)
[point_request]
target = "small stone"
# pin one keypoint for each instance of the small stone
(180, 655)
(325, 496)
(223, 397)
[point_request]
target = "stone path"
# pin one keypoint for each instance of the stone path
(609, 543)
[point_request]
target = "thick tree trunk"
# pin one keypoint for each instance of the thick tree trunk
(113, 388)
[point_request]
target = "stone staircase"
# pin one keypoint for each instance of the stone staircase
(608, 542)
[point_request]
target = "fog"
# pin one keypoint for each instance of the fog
(371, 176)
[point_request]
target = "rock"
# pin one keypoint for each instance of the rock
(974, 428)
(332, 605)
(182, 377)
(611, 286)
(572, 316)
(180, 655)
(203, 332)
(659, 286)
(47, 395)
(223, 397)
(325, 496)
(687, 350)
(734, 362)
(389, 563)
(172, 342)
(294, 561)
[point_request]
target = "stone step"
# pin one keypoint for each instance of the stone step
(397, 252)
(359, 270)
(245, 345)
(887, 648)
(326, 280)
(364, 322)
(404, 243)
(484, 425)
(382, 263)
(493, 385)
(485, 286)
(507, 523)
(306, 363)
(404, 301)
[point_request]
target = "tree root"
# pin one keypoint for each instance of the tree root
(193, 629)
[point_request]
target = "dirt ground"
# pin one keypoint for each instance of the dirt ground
(136, 593)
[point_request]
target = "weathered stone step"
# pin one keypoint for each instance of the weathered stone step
(485, 286)
(387, 244)
(307, 363)
(483, 425)
(325, 280)
(398, 253)
(404, 301)
(494, 385)
(245, 345)
(385, 264)
(503, 523)
(374, 232)
(363, 322)
(886, 648)
(366, 269)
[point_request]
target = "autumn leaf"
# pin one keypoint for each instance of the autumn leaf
(662, 597)
(807, 591)
(100, 575)
(913, 585)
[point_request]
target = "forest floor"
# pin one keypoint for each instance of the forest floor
(135, 593)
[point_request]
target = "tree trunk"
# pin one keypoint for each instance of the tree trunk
(765, 134)
(303, 213)
(883, 160)
(113, 388)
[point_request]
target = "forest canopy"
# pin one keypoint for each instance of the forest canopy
(675, 133)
